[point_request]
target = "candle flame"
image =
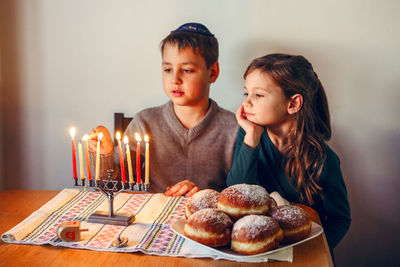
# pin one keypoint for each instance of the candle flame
(126, 141)
(146, 138)
(138, 138)
(118, 135)
(85, 137)
(100, 136)
(72, 132)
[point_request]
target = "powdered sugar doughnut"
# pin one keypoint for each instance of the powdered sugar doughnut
(294, 221)
(203, 199)
(244, 199)
(255, 234)
(210, 227)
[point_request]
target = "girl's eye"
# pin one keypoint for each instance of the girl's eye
(258, 95)
(245, 94)
(167, 70)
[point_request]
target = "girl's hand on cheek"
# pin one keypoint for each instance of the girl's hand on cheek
(253, 131)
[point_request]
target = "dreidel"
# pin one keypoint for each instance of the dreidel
(70, 231)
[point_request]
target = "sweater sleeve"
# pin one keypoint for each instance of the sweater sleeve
(337, 220)
(245, 162)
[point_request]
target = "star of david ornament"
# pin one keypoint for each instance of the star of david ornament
(110, 185)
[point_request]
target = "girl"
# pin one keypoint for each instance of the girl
(281, 145)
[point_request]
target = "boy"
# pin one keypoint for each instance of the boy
(192, 138)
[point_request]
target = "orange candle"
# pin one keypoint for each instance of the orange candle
(72, 132)
(138, 176)
(121, 158)
(85, 139)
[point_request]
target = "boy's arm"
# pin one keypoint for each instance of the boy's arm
(185, 187)
(106, 155)
(245, 162)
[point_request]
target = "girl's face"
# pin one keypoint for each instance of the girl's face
(264, 103)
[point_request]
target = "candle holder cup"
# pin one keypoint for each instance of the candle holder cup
(110, 189)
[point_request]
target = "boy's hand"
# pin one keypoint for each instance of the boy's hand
(106, 144)
(253, 131)
(185, 187)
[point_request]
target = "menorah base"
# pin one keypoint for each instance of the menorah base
(123, 219)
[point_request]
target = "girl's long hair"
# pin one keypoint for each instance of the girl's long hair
(306, 158)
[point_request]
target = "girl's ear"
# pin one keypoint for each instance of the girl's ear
(214, 72)
(295, 104)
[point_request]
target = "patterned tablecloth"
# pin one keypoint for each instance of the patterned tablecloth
(150, 233)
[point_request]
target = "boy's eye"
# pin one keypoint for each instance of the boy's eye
(258, 95)
(188, 71)
(167, 70)
(245, 94)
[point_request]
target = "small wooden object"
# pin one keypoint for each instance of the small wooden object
(70, 231)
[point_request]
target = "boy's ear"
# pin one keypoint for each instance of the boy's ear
(214, 72)
(295, 103)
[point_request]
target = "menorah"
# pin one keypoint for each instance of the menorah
(110, 188)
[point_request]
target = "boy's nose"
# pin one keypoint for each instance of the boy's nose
(176, 79)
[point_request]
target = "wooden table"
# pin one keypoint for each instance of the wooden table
(17, 205)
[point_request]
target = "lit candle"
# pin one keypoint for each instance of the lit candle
(128, 159)
(85, 139)
(147, 159)
(98, 156)
(82, 172)
(72, 132)
(121, 158)
(138, 139)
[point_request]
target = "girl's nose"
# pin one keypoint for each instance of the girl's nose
(247, 102)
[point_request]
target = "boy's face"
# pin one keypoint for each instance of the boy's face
(186, 79)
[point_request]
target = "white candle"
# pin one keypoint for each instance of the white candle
(98, 156)
(128, 159)
(85, 139)
(147, 160)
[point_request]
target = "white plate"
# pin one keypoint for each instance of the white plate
(178, 226)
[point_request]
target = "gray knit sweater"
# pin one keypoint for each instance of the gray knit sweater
(202, 154)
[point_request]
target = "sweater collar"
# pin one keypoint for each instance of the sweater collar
(191, 133)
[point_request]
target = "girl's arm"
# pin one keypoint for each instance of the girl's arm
(245, 162)
(335, 201)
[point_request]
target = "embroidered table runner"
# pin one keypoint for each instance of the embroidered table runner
(150, 233)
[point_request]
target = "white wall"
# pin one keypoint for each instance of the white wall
(79, 61)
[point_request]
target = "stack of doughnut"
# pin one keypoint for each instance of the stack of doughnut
(294, 221)
(211, 216)
(210, 227)
(244, 199)
(203, 199)
(255, 234)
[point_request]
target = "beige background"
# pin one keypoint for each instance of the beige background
(76, 62)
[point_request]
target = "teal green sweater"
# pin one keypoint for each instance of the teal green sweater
(264, 165)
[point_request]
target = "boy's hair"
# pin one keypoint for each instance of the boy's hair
(196, 36)
(295, 75)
